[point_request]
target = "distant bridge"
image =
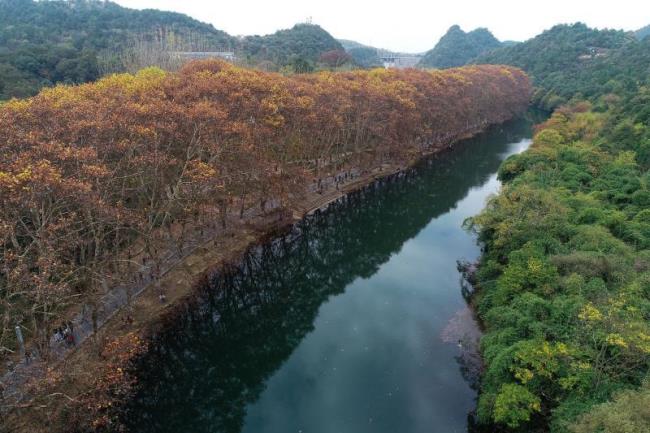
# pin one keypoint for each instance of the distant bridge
(399, 61)
(194, 55)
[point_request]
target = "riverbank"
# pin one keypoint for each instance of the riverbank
(352, 302)
(563, 281)
(68, 383)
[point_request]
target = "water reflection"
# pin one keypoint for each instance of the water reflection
(369, 362)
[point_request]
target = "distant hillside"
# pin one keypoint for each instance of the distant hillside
(48, 42)
(43, 43)
(366, 57)
(571, 59)
(303, 41)
(362, 55)
(642, 33)
(509, 43)
(457, 48)
(348, 44)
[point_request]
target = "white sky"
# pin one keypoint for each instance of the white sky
(407, 25)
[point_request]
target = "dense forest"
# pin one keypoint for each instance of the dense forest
(575, 61)
(642, 33)
(457, 48)
(565, 276)
(88, 170)
(365, 57)
(301, 47)
(43, 43)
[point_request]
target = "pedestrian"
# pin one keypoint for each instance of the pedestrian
(70, 339)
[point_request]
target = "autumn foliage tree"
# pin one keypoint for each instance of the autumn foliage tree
(85, 171)
(335, 58)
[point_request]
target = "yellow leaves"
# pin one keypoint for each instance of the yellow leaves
(506, 73)
(25, 175)
(274, 120)
(305, 102)
(581, 365)
(590, 313)
(643, 342)
(270, 106)
(151, 74)
(535, 265)
(201, 172)
(626, 159)
(524, 375)
(144, 132)
(61, 95)
(616, 340)
(144, 81)
(13, 180)
(621, 323)
(548, 137)
(568, 382)
(17, 105)
(95, 171)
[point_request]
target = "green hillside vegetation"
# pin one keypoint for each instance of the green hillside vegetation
(365, 57)
(509, 43)
(570, 61)
(565, 275)
(43, 43)
(349, 44)
(302, 43)
(643, 32)
(457, 48)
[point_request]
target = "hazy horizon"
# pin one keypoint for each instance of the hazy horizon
(414, 26)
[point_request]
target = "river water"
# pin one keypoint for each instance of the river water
(353, 323)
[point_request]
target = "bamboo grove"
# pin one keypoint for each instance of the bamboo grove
(88, 171)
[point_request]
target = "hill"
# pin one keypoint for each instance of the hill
(362, 55)
(366, 57)
(643, 32)
(574, 60)
(43, 43)
(349, 45)
(303, 41)
(457, 48)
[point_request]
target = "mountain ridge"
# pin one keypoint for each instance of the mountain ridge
(457, 47)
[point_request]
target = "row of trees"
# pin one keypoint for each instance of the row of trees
(87, 171)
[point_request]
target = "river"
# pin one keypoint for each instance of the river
(352, 323)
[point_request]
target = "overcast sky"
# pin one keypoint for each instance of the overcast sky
(406, 25)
